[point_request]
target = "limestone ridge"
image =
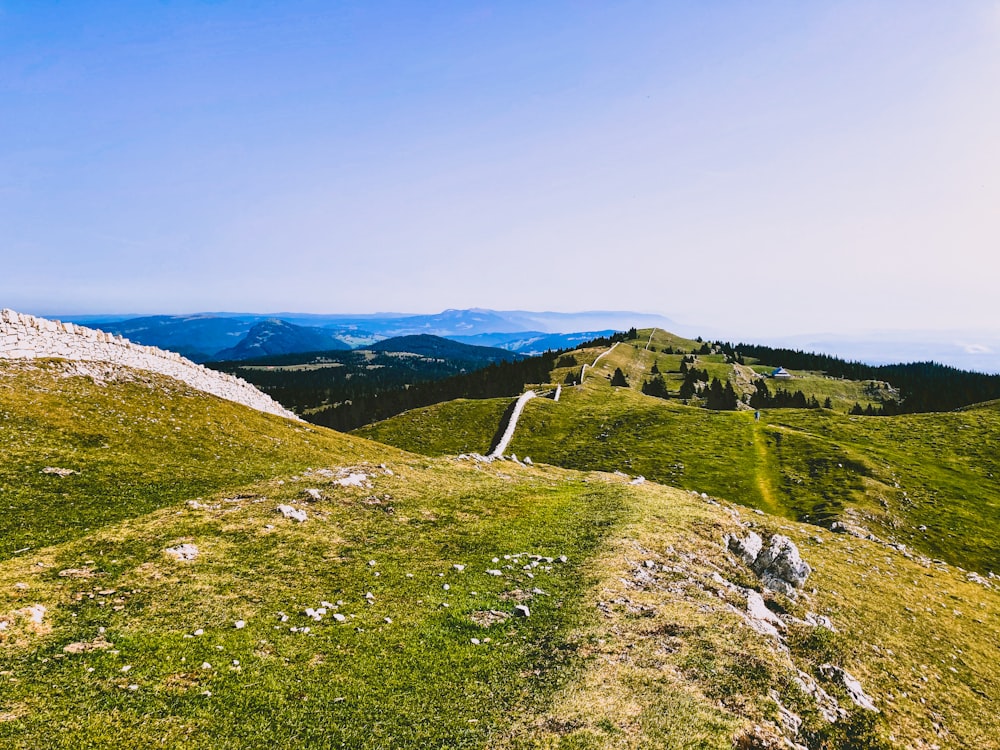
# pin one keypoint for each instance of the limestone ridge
(28, 337)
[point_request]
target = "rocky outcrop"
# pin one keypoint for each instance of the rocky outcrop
(28, 337)
(779, 564)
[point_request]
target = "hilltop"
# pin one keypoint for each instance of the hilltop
(182, 571)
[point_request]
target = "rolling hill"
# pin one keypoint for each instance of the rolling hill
(930, 481)
(158, 586)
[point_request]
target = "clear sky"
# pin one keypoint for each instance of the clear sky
(757, 167)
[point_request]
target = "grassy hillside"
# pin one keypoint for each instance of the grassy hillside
(638, 639)
(889, 475)
(143, 443)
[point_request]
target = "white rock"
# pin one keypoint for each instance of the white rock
(183, 552)
(521, 610)
(339, 617)
(494, 573)
(292, 513)
(239, 624)
(851, 684)
(353, 480)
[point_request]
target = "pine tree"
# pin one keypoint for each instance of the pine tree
(656, 386)
(729, 397)
(618, 379)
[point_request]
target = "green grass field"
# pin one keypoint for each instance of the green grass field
(637, 640)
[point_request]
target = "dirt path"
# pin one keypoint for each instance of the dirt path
(583, 369)
(763, 474)
(650, 339)
(515, 415)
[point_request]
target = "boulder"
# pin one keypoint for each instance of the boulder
(747, 549)
(780, 566)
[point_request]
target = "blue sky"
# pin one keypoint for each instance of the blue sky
(759, 168)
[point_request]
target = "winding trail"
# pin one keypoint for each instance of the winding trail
(583, 369)
(650, 339)
(508, 433)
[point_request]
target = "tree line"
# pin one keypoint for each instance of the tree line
(924, 386)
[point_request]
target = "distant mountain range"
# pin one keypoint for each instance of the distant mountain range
(279, 337)
(206, 337)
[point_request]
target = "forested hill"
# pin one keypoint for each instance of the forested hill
(500, 379)
(435, 346)
(925, 386)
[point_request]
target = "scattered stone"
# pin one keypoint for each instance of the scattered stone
(186, 552)
(458, 567)
(820, 621)
(314, 494)
(791, 722)
(387, 620)
(353, 480)
(206, 665)
(474, 641)
(851, 684)
(239, 624)
(84, 647)
(521, 610)
(446, 587)
(76, 573)
(528, 461)
(195, 505)
(760, 618)
(486, 618)
(827, 705)
(35, 614)
(494, 572)
(289, 512)
(747, 549)
(371, 563)
(339, 617)
(638, 480)
(199, 631)
(22, 586)
(58, 472)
